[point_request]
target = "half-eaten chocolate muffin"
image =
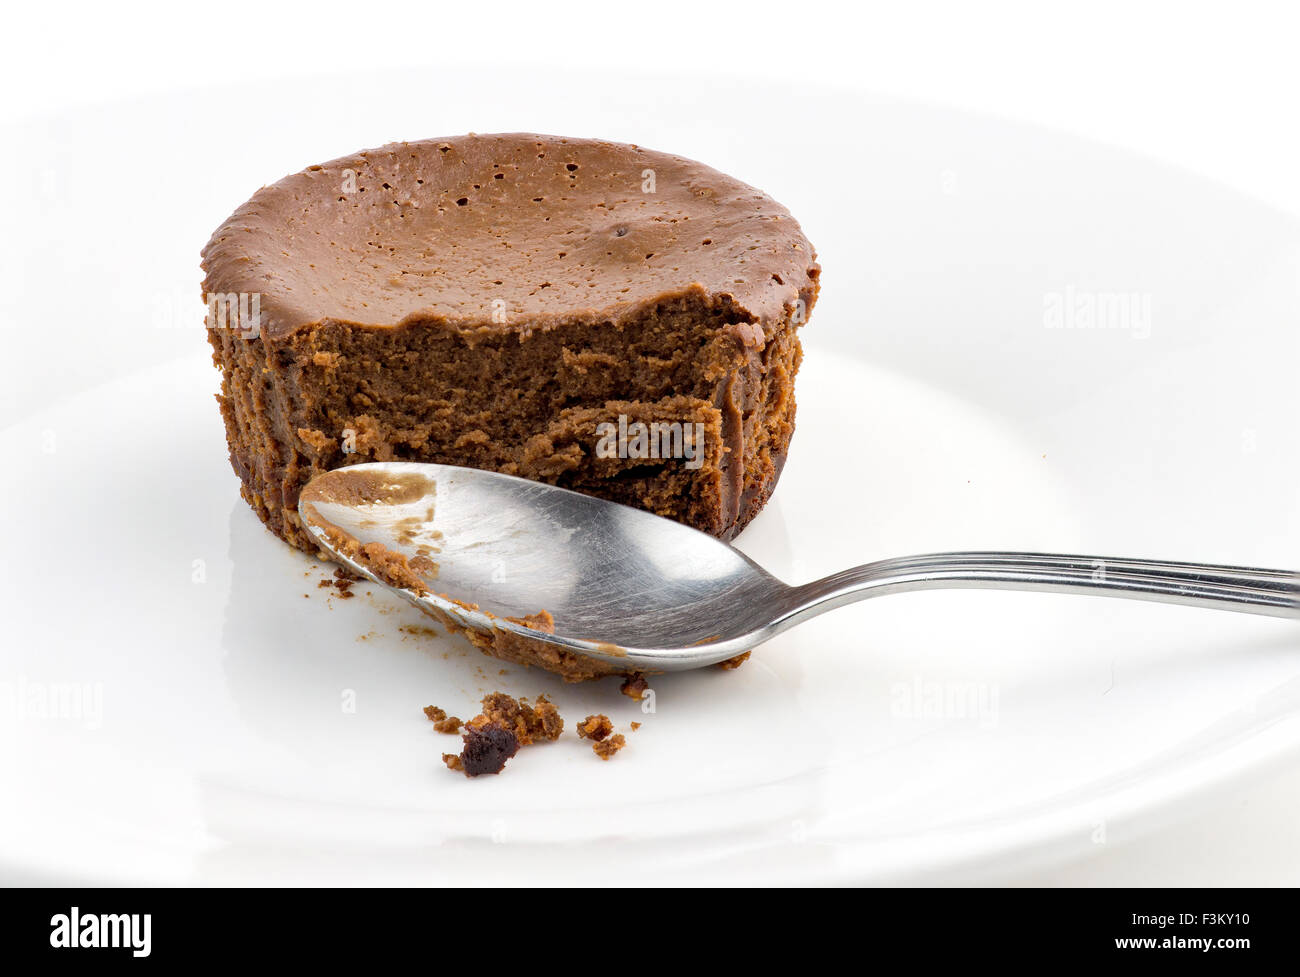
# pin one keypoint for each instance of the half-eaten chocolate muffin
(596, 315)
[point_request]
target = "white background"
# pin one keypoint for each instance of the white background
(1213, 88)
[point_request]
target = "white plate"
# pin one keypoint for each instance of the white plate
(940, 736)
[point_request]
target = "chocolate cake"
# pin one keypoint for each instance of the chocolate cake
(596, 315)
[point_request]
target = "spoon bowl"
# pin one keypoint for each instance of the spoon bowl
(640, 591)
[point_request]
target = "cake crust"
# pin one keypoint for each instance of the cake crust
(513, 232)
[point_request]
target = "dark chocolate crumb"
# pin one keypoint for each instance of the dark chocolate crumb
(487, 748)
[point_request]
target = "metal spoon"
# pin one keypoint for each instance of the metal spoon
(646, 593)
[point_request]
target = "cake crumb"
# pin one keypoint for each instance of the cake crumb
(538, 722)
(607, 748)
(634, 686)
(441, 721)
(635, 727)
(342, 582)
(486, 750)
(736, 662)
(418, 631)
(595, 727)
(541, 621)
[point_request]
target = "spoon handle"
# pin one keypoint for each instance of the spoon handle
(1249, 590)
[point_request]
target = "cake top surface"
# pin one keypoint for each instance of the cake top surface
(507, 232)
